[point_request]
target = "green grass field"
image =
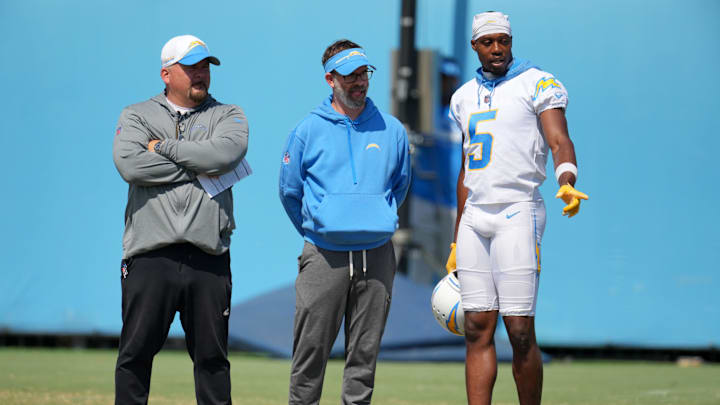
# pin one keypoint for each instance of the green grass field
(67, 376)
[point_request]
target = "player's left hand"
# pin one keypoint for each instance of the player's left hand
(450, 266)
(572, 198)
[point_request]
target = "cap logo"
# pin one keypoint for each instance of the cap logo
(193, 44)
(350, 55)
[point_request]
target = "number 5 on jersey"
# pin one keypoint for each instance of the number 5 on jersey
(480, 148)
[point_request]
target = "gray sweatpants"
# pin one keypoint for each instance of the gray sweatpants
(325, 294)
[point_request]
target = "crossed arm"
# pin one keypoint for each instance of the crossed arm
(177, 161)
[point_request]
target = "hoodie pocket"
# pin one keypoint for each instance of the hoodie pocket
(350, 219)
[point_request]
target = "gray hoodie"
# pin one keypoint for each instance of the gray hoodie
(166, 204)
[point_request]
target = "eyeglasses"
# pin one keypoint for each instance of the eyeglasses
(353, 77)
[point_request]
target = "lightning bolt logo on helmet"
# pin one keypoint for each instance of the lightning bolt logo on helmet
(446, 305)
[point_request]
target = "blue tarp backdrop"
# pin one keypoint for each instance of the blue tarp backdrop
(264, 323)
(637, 267)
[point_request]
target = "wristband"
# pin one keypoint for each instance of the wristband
(565, 167)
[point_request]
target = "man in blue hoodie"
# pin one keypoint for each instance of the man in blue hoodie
(345, 171)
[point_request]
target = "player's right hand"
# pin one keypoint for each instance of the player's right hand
(450, 266)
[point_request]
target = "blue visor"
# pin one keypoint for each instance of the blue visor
(345, 62)
(196, 54)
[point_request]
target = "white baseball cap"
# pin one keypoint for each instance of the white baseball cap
(186, 50)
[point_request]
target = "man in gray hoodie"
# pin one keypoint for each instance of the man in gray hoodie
(177, 238)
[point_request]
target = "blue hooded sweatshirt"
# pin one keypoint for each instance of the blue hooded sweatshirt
(341, 181)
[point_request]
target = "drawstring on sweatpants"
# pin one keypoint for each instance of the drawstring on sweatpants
(364, 263)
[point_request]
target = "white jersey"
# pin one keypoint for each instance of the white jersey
(503, 144)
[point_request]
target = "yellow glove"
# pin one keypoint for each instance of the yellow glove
(572, 198)
(450, 265)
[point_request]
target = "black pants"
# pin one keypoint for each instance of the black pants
(156, 284)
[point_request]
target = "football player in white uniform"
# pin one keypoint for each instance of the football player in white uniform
(511, 114)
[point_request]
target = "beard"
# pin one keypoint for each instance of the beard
(346, 99)
(198, 92)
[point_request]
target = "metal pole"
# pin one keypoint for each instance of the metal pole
(407, 70)
(408, 114)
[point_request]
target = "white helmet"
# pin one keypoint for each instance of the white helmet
(447, 306)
